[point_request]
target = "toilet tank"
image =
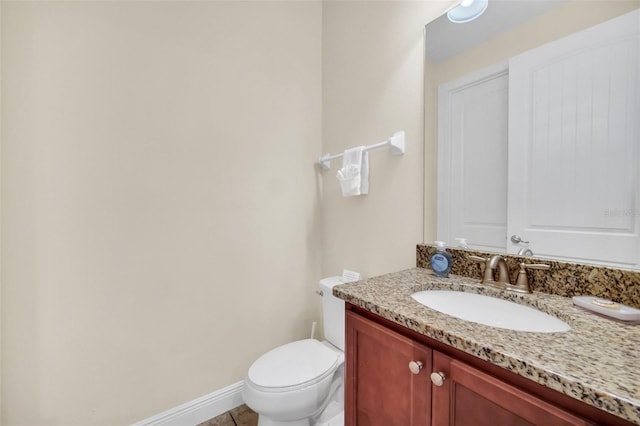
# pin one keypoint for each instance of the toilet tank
(332, 312)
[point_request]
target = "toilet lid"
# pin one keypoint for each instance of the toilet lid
(293, 364)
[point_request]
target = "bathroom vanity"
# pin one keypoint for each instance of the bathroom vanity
(407, 364)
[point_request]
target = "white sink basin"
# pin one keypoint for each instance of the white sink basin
(490, 311)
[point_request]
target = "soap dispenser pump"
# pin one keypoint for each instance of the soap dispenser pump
(462, 243)
(441, 260)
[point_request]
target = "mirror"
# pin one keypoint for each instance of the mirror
(559, 211)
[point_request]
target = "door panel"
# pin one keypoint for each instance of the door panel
(574, 186)
(472, 158)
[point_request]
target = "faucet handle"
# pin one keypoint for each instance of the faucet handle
(543, 266)
(522, 281)
(477, 258)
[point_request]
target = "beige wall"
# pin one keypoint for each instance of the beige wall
(0, 214)
(160, 211)
(560, 22)
(373, 54)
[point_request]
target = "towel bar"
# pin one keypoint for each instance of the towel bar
(395, 142)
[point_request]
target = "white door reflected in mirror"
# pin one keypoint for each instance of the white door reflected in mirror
(559, 174)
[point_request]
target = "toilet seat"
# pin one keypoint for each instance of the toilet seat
(293, 366)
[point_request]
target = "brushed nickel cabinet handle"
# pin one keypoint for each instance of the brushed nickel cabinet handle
(437, 378)
(415, 366)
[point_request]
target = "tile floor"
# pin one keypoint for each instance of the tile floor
(239, 416)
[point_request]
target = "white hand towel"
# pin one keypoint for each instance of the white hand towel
(354, 174)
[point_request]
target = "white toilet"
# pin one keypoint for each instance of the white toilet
(300, 383)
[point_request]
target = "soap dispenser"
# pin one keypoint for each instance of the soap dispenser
(462, 243)
(441, 260)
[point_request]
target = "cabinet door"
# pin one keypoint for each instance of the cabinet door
(471, 397)
(380, 387)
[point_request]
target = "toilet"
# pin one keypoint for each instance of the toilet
(301, 383)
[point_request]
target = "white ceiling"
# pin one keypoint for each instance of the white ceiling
(445, 39)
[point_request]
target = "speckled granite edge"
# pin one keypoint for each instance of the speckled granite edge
(563, 279)
(595, 362)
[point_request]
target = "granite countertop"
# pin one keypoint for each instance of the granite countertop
(597, 361)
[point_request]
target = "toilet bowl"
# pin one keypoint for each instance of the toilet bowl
(292, 383)
(300, 383)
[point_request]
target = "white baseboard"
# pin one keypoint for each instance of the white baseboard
(198, 410)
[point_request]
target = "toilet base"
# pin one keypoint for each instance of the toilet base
(336, 420)
(333, 415)
(265, 421)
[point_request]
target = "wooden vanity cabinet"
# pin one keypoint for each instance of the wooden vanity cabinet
(381, 389)
(469, 396)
